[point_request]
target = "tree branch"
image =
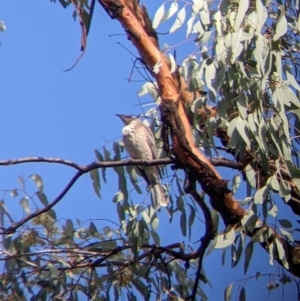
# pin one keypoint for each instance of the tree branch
(82, 169)
(107, 164)
(27, 218)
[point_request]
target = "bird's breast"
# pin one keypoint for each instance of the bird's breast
(135, 143)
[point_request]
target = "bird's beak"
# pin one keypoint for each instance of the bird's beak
(123, 118)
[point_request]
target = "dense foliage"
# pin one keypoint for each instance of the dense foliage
(245, 114)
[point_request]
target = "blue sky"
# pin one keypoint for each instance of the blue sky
(51, 113)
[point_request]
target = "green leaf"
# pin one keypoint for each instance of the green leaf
(288, 96)
(183, 223)
(53, 270)
(233, 254)
(25, 205)
(158, 17)
(100, 159)
(139, 231)
(287, 234)
(248, 255)
(271, 253)
(262, 235)
(117, 152)
(285, 145)
(294, 172)
(155, 237)
(215, 218)
(258, 53)
(242, 103)
(228, 292)
(243, 7)
(281, 28)
(250, 174)
(69, 228)
(236, 181)
(92, 229)
(122, 184)
(223, 257)
(242, 295)
(52, 214)
(273, 182)
(38, 181)
(252, 126)
(179, 20)
(2, 26)
(13, 193)
(246, 201)
(121, 213)
(143, 90)
(249, 220)
(280, 249)
(141, 288)
(239, 250)
(273, 210)
(290, 77)
(225, 239)
(94, 175)
(197, 6)
(172, 63)
(63, 3)
(154, 223)
(210, 75)
(285, 223)
(42, 197)
(189, 24)
(150, 88)
(178, 181)
(262, 132)
(131, 171)
(78, 221)
(180, 204)
(118, 197)
(171, 11)
(145, 216)
(205, 15)
(98, 155)
(262, 15)
(261, 195)
(106, 154)
(211, 247)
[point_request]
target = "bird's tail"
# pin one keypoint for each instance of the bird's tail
(158, 197)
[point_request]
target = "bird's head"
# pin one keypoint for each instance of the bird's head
(126, 118)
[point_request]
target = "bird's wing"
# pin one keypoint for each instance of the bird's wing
(151, 143)
(143, 174)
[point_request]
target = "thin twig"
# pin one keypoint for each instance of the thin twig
(15, 226)
(205, 240)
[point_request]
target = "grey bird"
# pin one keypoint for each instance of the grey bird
(139, 142)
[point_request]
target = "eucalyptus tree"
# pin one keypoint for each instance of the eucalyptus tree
(233, 102)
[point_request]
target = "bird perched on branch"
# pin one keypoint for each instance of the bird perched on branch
(140, 144)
